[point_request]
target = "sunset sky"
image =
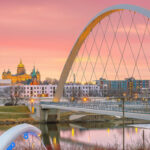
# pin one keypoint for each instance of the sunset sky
(42, 32)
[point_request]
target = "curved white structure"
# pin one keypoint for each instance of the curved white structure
(98, 18)
(10, 135)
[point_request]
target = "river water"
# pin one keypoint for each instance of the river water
(93, 136)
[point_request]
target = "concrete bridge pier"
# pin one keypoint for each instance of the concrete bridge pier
(49, 115)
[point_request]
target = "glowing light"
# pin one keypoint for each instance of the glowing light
(89, 138)
(11, 146)
(128, 135)
(32, 100)
(84, 99)
(54, 140)
(32, 109)
(124, 94)
(72, 131)
(136, 130)
(26, 136)
(55, 100)
(108, 130)
(33, 145)
(118, 99)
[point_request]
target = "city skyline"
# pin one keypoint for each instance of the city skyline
(32, 30)
(100, 49)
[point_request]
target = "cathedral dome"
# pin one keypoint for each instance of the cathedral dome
(20, 69)
(21, 65)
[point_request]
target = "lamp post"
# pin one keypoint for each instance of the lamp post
(143, 140)
(124, 95)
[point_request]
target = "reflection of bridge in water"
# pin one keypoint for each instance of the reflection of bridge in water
(63, 136)
(53, 139)
(71, 135)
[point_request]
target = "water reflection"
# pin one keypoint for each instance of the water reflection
(51, 136)
(93, 135)
(87, 136)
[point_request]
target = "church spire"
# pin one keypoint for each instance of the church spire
(33, 72)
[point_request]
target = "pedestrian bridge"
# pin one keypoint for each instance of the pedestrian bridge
(135, 110)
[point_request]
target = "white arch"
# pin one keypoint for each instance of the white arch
(11, 134)
(99, 17)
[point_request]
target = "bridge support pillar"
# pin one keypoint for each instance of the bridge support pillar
(44, 115)
(49, 115)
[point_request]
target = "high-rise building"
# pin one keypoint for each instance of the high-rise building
(116, 87)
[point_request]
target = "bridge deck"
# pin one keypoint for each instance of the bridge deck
(136, 111)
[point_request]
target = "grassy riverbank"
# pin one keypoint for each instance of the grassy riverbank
(15, 114)
(14, 109)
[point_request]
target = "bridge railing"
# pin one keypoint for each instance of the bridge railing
(132, 107)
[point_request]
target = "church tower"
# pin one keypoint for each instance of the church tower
(34, 78)
(20, 69)
(4, 75)
(38, 76)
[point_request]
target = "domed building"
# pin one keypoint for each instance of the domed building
(21, 69)
(22, 76)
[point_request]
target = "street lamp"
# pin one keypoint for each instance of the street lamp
(84, 99)
(124, 95)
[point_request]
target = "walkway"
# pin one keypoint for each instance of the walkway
(135, 110)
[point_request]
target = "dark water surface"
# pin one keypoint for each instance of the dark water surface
(92, 136)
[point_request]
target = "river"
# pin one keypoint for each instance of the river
(92, 136)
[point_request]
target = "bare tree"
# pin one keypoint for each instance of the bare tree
(4, 94)
(16, 94)
(50, 81)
